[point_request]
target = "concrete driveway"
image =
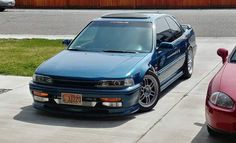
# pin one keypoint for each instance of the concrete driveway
(177, 118)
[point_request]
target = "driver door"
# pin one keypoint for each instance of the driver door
(167, 55)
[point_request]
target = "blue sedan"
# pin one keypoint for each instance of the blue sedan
(116, 66)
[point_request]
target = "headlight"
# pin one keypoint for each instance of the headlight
(42, 79)
(116, 83)
(222, 100)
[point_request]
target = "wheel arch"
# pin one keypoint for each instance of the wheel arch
(151, 74)
(151, 70)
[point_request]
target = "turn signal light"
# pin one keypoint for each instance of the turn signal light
(112, 104)
(39, 93)
(110, 99)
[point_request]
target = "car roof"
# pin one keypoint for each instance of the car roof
(132, 16)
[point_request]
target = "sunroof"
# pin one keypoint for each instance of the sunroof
(127, 16)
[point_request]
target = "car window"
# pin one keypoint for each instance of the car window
(174, 28)
(233, 58)
(161, 25)
(89, 35)
(101, 36)
(162, 31)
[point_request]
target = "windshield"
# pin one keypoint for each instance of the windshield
(233, 58)
(110, 36)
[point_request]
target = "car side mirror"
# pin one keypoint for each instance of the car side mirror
(66, 42)
(166, 45)
(223, 53)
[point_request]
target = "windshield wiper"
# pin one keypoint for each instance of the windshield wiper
(115, 51)
(74, 49)
(83, 50)
(108, 51)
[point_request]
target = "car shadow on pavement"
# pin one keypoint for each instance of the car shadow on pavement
(204, 137)
(163, 94)
(172, 86)
(31, 115)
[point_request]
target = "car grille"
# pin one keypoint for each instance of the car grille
(75, 83)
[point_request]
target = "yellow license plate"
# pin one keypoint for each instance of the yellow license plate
(71, 99)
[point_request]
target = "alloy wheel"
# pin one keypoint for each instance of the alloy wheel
(149, 92)
(190, 61)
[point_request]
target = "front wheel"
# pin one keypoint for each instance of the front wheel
(188, 65)
(149, 94)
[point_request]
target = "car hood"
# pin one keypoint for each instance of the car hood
(77, 64)
(228, 80)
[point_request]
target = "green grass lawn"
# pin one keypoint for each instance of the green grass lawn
(22, 57)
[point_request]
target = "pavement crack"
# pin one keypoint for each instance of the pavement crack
(185, 95)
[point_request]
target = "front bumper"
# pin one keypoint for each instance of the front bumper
(92, 106)
(221, 120)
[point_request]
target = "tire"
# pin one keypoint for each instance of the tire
(149, 92)
(2, 9)
(212, 132)
(188, 65)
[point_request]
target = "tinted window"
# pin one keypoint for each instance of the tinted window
(102, 36)
(176, 31)
(173, 25)
(161, 25)
(233, 58)
(163, 33)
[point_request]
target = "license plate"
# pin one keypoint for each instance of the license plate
(71, 99)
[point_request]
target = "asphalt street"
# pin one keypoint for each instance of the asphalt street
(177, 118)
(207, 23)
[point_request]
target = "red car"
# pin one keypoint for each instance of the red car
(221, 96)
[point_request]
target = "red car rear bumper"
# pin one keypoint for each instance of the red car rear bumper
(223, 120)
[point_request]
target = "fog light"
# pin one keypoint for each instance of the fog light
(39, 93)
(41, 99)
(112, 104)
(110, 99)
